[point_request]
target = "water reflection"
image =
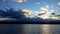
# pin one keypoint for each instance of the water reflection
(41, 29)
(29, 29)
(45, 29)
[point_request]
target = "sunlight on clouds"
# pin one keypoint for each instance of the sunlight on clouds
(20, 1)
(58, 3)
(43, 8)
(42, 12)
(45, 13)
(30, 13)
(44, 17)
(26, 12)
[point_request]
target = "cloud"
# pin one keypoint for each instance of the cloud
(31, 13)
(58, 3)
(38, 3)
(47, 14)
(34, 13)
(43, 8)
(20, 1)
(52, 10)
(26, 12)
(47, 6)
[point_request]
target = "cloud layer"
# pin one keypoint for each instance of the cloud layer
(20, 1)
(58, 3)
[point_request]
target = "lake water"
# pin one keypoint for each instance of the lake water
(29, 29)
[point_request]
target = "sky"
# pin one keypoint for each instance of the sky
(33, 5)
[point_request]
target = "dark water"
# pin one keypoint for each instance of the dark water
(29, 29)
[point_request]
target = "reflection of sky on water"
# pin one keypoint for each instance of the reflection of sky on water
(29, 29)
(32, 29)
(42, 29)
(45, 29)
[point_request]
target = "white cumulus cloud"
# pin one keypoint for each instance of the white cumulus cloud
(58, 3)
